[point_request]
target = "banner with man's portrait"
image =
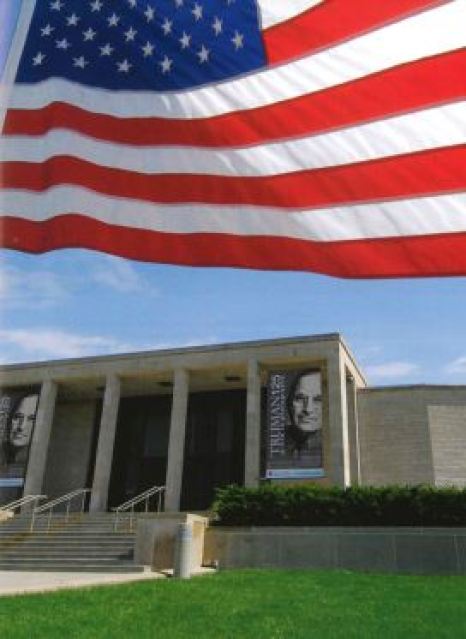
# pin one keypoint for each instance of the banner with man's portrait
(294, 424)
(18, 410)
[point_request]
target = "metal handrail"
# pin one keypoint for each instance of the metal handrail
(18, 503)
(134, 501)
(64, 499)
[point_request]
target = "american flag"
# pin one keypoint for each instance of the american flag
(315, 135)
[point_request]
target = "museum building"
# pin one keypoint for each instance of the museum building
(193, 419)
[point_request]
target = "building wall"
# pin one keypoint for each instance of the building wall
(70, 448)
(448, 435)
(413, 435)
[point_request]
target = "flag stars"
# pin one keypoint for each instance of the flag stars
(80, 62)
(148, 49)
(203, 55)
(62, 44)
(124, 66)
(185, 40)
(47, 30)
(132, 3)
(89, 35)
(130, 34)
(106, 50)
(197, 12)
(96, 5)
(167, 26)
(238, 40)
(72, 20)
(56, 5)
(113, 20)
(149, 13)
(38, 59)
(179, 3)
(217, 26)
(166, 65)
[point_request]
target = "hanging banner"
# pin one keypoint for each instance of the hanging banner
(294, 424)
(18, 411)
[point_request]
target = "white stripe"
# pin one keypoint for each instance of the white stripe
(432, 128)
(420, 216)
(430, 33)
(275, 11)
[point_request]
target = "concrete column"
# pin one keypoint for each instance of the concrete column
(253, 426)
(338, 421)
(40, 439)
(104, 456)
(353, 429)
(176, 441)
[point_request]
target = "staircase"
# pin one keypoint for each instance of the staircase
(84, 543)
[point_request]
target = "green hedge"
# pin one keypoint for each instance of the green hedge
(311, 505)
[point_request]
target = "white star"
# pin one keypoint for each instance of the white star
(185, 40)
(203, 54)
(47, 30)
(113, 20)
(149, 13)
(238, 40)
(90, 34)
(107, 49)
(72, 20)
(167, 26)
(80, 62)
(38, 59)
(130, 34)
(148, 49)
(56, 5)
(124, 66)
(132, 3)
(217, 26)
(96, 5)
(179, 3)
(197, 12)
(166, 64)
(62, 44)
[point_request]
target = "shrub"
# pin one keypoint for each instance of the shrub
(312, 505)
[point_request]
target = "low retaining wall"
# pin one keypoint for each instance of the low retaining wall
(155, 539)
(403, 550)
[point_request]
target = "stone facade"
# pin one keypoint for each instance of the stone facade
(370, 436)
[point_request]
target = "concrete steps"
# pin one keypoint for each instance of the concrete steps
(84, 543)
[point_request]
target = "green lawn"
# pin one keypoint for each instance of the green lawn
(248, 604)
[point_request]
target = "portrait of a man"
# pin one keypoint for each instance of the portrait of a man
(294, 424)
(304, 408)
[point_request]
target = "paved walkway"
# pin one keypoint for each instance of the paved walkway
(16, 583)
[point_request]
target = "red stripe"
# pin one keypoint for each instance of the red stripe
(434, 171)
(335, 21)
(427, 82)
(391, 257)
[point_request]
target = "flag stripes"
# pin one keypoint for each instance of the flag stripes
(432, 171)
(433, 80)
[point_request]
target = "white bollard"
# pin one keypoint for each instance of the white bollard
(183, 551)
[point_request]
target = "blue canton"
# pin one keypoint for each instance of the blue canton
(152, 45)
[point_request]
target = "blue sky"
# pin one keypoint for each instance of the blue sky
(71, 303)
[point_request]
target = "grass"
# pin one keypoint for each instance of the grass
(247, 604)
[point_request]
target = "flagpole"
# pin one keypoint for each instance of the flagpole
(17, 44)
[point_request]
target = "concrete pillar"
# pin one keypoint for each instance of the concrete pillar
(253, 426)
(40, 439)
(339, 465)
(353, 429)
(104, 456)
(176, 441)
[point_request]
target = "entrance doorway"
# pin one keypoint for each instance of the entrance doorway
(141, 447)
(214, 446)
